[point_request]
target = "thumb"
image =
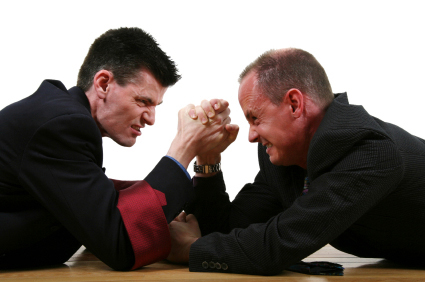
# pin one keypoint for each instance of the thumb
(233, 130)
(191, 219)
(181, 217)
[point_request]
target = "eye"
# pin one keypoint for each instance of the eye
(141, 101)
(253, 121)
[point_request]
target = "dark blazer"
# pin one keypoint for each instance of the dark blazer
(366, 197)
(55, 196)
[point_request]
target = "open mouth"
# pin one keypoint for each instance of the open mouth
(135, 127)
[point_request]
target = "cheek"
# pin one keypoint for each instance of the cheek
(267, 131)
(131, 112)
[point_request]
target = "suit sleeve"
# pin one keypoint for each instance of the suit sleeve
(122, 184)
(340, 195)
(256, 202)
(126, 229)
(215, 212)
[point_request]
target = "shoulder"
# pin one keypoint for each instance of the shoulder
(50, 100)
(345, 124)
(349, 132)
(50, 116)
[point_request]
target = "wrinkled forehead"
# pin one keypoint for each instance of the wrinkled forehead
(248, 88)
(251, 101)
(148, 87)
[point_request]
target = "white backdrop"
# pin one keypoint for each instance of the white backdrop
(374, 50)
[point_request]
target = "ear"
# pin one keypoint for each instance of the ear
(295, 100)
(101, 81)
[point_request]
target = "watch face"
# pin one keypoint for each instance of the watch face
(206, 168)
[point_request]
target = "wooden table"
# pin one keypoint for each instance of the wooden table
(84, 266)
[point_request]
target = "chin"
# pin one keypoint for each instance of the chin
(130, 144)
(277, 161)
(125, 143)
(274, 161)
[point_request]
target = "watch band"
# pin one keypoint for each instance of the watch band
(206, 168)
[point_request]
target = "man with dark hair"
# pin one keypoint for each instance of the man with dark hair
(54, 194)
(329, 174)
(125, 52)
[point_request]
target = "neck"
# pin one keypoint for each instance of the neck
(314, 116)
(94, 100)
(91, 97)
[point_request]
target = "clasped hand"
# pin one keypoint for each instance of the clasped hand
(184, 231)
(203, 130)
(217, 131)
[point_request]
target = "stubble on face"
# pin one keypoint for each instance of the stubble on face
(128, 108)
(271, 125)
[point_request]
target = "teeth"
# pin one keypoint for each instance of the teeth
(269, 145)
(135, 127)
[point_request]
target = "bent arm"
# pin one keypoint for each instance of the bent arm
(62, 168)
(216, 213)
(336, 199)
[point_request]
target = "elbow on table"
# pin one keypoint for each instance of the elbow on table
(139, 258)
(269, 270)
(122, 260)
(266, 268)
(120, 264)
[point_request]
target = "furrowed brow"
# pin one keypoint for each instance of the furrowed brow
(248, 115)
(148, 99)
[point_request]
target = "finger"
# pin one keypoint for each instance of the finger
(193, 223)
(223, 105)
(191, 219)
(186, 109)
(233, 130)
(219, 105)
(216, 104)
(191, 111)
(208, 109)
(223, 115)
(201, 114)
(181, 217)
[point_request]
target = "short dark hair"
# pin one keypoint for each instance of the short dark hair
(125, 52)
(280, 70)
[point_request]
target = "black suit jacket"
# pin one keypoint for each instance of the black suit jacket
(53, 188)
(366, 197)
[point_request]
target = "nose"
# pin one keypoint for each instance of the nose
(253, 135)
(149, 116)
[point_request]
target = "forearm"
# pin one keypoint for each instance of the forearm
(168, 178)
(182, 151)
(314, 220)
(211, 204)
(207, 159)
(122, 184)
(140, 203)
(256, 202)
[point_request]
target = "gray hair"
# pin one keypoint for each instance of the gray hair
(278, 71)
